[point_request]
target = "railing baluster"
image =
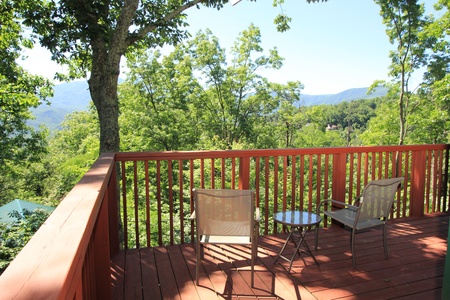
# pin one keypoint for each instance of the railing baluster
(147, 204)
(429, 181)
(310, 182)
(275, 188)
(202, 173)
(257, 180)
(266, 195)
(191, 197)
(181, 199)
(285, 179)
(326, 178)
(358, 176)
(351, 158)
(170, 195)
(136, 204)
(373, 165)
(439, 181)
(212, 173)
(158, 197)
(366, 168)
(380, 165)
(293, 181)
(124, 205)
(223, 173)
(402, 197)
(435, 182)
(301, 188)
(233, 173)
(318, 182)
(386, 164)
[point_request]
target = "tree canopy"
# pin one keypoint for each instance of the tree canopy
(20, 145)
(91, 37)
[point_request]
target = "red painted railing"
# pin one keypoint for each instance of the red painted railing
(69, 256)
(131, 200)
(156, 187)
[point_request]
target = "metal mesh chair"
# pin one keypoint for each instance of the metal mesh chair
(225, 216)
(372, 209)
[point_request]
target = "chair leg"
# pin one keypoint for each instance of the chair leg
(385, 241)
(253, 267)
(197, 262)
(352, 245)
(254, 256)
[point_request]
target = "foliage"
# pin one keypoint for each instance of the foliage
(157, 103)
(20, 145)
(199, 97)
(72, 151)
(235, 98)
(382, 129)
(435, 37)
(415, 36)
(13, 237)
(92, 37)
(192, 98)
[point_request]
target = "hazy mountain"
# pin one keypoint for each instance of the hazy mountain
(68, 97)
(74, 96)
(347, 95)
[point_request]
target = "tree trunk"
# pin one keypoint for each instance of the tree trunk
(103, 88)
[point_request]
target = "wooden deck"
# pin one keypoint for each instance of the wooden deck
(414, 270)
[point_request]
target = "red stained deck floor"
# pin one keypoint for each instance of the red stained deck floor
(414, 270)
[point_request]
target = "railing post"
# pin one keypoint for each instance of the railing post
(417, 189)
(339, 176)
(244, 173)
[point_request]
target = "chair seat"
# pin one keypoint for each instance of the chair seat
(347, 217)
(225, 239)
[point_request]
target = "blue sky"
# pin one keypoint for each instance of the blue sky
(331, 46)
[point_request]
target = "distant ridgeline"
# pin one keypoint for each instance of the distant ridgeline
(75, 96)
(347, 95)
(68, 97)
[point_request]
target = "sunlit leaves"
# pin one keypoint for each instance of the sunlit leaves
(13, 237)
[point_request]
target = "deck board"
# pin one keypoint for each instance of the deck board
(414, 269)
(150, 286)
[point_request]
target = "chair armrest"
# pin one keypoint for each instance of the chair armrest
(346, 205)
(192, 217)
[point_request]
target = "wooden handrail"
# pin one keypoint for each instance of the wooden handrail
(69, 248)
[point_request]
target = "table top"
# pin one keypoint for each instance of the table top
(297, 218)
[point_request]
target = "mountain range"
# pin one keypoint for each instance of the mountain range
(74, 96)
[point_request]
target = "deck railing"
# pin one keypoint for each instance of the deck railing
(156, 198)
(129, 200)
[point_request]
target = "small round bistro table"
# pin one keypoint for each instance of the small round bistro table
(298, 222)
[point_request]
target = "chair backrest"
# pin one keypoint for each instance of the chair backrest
(224, 212)
(377, 198)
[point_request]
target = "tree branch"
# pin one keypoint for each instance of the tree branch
(152, 26)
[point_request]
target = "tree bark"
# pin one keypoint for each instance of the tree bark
(103, 88)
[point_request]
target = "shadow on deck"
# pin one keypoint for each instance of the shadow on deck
(414, 270)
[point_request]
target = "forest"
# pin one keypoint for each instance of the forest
(199, 97)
